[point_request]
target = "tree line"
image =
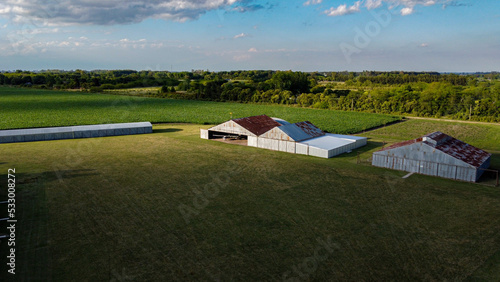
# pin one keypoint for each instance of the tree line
(427, 94)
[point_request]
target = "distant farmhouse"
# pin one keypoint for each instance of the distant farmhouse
(279, 135)
(435, 154)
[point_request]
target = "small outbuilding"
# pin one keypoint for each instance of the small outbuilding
(435, 154)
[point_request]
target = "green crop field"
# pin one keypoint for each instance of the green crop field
(26, 108)
(170, 206)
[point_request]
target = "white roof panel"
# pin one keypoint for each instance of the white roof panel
(327, 142)
(281, 121)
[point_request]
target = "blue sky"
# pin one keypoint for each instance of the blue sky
(302, 35)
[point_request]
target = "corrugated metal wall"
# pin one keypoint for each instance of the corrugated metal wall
(340, 150)
(276, 133)
(317, 152)
(302, 149)
(271, 144)
(252, 141)
(361, 142)
(74, 132)
(297, 148)
(423, 159)
(203, 133)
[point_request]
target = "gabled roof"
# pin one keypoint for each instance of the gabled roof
(310, 129)
(457, 149)
(450, 146)
(294, 132)
(401, 144)
(301, 131)
(257, 124)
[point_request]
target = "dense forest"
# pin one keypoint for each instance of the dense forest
(427, 94)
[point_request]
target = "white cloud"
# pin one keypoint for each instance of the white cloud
(407, 7)
(373, 4)
(312, 2)
(109, 12)
(424, 45)
(343, 10)
(252, 50)
(407, 11)
(31, 31)
(241, 35)
(27, 46)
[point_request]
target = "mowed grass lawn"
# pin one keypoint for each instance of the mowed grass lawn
(169, 206)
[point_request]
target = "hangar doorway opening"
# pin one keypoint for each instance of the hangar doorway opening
(228, 138)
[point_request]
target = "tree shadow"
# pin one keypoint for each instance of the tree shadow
(22, 179)
(383, 125)
(68, 174)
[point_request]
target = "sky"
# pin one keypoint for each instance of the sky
(223, 35)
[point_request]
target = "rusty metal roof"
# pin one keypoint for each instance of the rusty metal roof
(450, 146)
(437, 137)
(301, 131)
(310, 129)
(257, 124)
(401, 144)
(458, 149)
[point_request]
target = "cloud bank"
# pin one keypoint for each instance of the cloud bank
(406, 7)
(343, 10)
(108, 12)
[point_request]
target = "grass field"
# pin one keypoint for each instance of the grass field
(26, 108)
(141, 91)
(479, 135)
(169, 206)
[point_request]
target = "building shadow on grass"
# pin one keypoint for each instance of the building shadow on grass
(167, 130)
(370, 146)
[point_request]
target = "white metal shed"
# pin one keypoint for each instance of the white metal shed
(72, 132)
(435, 154)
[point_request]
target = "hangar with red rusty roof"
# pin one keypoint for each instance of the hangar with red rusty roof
(435, 154)
(279, 135)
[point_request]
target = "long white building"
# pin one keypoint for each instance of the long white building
(74, 132)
